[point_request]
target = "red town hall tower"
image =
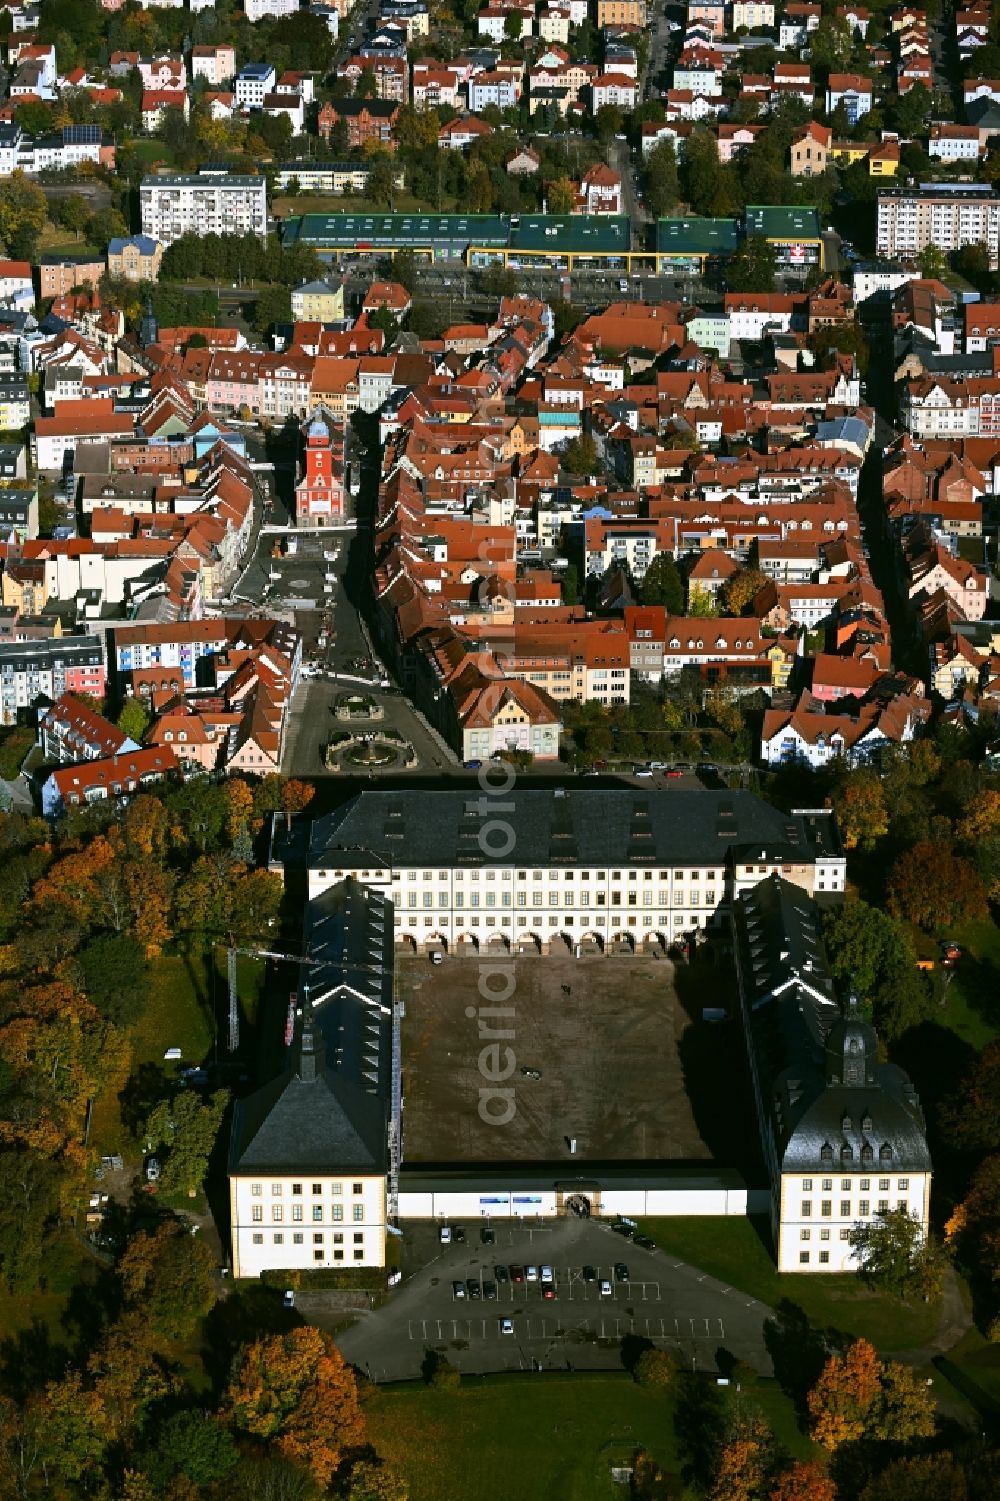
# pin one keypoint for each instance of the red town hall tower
(319, 495)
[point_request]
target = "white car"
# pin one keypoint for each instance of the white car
(444, 1235)
(547, 1274)
(531, 1273)
(605, 1288)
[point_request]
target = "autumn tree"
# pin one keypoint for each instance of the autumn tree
(561, 195)
(858, 1396)
(75, 1433)
(894, 1255)
(126, 1374)
(804, 1480)
(745, 1460)
(975, 1225)
(655, 1368)
(295, 1393)
(23, 212)
(934, 888)
(168, 1274)
(861, 810)
(742, 588)
(185, 1127)
(375, 1480)
(926, 1477)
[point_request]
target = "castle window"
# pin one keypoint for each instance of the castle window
(826, 1154)
(885, 1152)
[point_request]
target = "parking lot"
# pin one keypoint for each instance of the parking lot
(664, 1301)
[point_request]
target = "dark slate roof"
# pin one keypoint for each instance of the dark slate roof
(830, 1103)
(596, 826)
(329, 1112)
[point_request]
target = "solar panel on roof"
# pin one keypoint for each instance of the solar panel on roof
(81, 135)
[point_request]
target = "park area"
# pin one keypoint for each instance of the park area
(558, 1443)
(605, 1052)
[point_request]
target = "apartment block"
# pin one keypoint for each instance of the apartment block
(944, 214)
(210, 201)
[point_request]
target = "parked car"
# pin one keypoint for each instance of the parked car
(473, 1287)
(501, 1274)
(289, 1298)
(547, 1274)
(459, 1235)
(621, 1271)
(605, 1288)
(517, 1274)
(506, 1326)
(590, 1274)
(444, 1235)
(548, 1290)
(531, 1273)
(458, 1289)
(488, 1236)
(152, 1171)
(490, 1292)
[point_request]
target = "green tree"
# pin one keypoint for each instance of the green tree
(187, 1127)
(382, 180)
(932, 261)
(580, 456)
(609, 122)
(662, 585)
(405, 270)
(133, 720)
(753, 266)
(894, 1256)
(167, 1275)
(23, 212)
(866, 946)
(513, 23)
(113, 973)
(193, 1444)
(104, 226)
(661, 179)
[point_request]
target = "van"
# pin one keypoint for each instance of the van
(437, 957)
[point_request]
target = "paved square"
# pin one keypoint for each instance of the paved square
(604, 1035)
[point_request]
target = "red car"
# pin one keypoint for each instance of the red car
(673, 773)
(548, 1291)
(517, 1274)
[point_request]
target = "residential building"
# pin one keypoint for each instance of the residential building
(116, 777)
(69, 730)
(851, 90)
(944, 214)
(60, 274)
(253, 82)
(211, 201)
(810, 149)
(843, 1134)
(31, 671)
(135, 259)
(216, 65)
(366, 120)
(318, 302)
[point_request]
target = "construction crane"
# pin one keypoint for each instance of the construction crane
(394, 1015)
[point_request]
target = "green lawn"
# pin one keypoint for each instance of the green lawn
(287, 205)
(973, 1369)
(152, 151)
(972, 1003)
(537, 1438)
(733, 1250)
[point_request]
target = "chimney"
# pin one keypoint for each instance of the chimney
(310, 1054)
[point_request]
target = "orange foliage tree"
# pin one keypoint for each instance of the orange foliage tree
(805, 1480)
(930, 886)
(745, 1460)
(296, 1393)
(858, 1396)
(841, 1402)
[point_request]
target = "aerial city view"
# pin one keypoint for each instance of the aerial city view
(499, 750)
